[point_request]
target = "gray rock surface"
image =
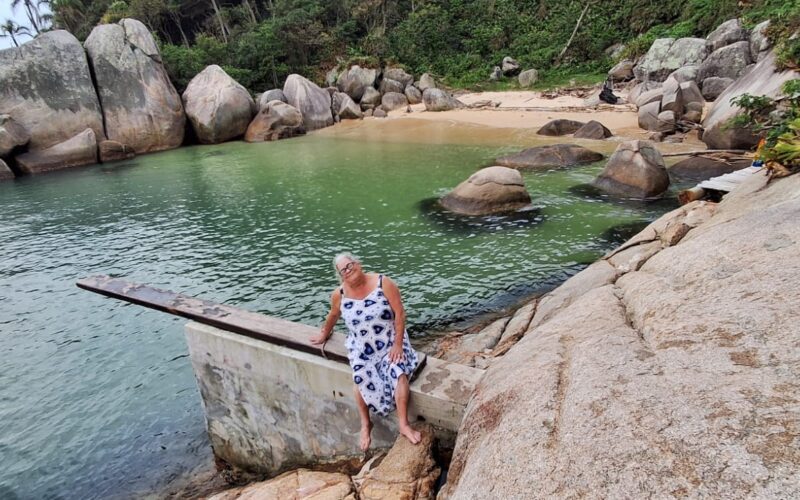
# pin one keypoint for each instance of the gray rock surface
(640, 88)
(5, 173)
(276, 120)
(635, 170)
(489, 190)
(47, 88)
(648, 96)
(393, 100)
(413, 94)
(666, 121)
(648, 115)
(731, 31)
(370, 99)
(672, 97)
(548, 157)
(714, 86)
(439, 100)
(398, 75)
(560, 127)
(759, 43)
(294, 485)
(141, 108)
(763, 80)
(269, 96)
(426, 81)
(388, 85)
(12, 135)
(700, 168)
(592, 130)
(685, 74)
(528, 77)
(109, 150)
(727, 62)
(509, 66)
(667, 54)
(347, 108)
(622, 71)
(75, 151)
(690, 93)
(353, 81)
(379, 113)
(218, 107)
(313, 102)
(496, 74)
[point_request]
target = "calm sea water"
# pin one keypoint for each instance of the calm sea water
(98, 398)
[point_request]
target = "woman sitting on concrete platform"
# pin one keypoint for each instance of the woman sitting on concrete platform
(377, 343)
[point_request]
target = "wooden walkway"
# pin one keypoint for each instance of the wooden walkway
(721, 184)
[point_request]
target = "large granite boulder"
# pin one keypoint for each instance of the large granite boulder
(295, 485)
(439, 100)
(141, 108)
(353, 81)
(685, 74)
(388, 85)
(763, 80)
(731, 31)
(635, 170)
(426, 81)
(218, 107)
(393, 100)
(346, 108)
(269, 96)
(12, 135)
(759, 43)
(592, 130)
(547, 157)
(509, 66)
(528, 77)
(648, 115)
(648, 96)
(47, 88)
(560, 127)
(398, 75)
(667, 54)
(413, 94)
(313, 102)
(114, 151)
(75, 151)
(622, 71)
(276, 120)
(640, 89)
(714, 86)
(700, 168)
(371, 98)
(727, 62)
(678, 379)
(487, 191)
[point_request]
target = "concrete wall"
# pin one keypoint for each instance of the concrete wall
(269, 408)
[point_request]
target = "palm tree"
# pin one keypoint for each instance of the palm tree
(12, 29)
(31, 9)
(68, 14)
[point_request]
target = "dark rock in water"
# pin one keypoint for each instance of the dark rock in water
(700, 168)
(635, 170)
(276, 120)
(5, 173)
(113, 151)
(487, 191)
(560, 127)
(546, 157)
(78, 150)
(465, 224)
(593, 130)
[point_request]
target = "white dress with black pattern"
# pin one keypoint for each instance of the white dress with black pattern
(370, 325)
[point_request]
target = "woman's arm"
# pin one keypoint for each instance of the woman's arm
(396, 302)
(333, 316)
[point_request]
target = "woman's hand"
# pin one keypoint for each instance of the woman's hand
(396, 353)
(321, 338)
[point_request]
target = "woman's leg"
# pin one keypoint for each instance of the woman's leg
(401, 398)
(366, 425)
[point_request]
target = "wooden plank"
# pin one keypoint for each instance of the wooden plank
(254, 325)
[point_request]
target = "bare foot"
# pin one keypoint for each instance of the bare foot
(411, 434)
(366, 438)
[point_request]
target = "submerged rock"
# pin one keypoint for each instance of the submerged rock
(489, 190)
(635, 170)
(313, 102)
(218, 107)
(5, 173)
(547, 157)
(114, 151)
(276, 120)
(76, 151)
(592, 130)
(560, 127)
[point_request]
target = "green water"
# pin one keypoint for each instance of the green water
(98, 397)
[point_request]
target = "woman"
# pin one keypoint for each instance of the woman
(377, 344)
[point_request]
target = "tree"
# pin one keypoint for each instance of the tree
(32, 10)
(13, 30)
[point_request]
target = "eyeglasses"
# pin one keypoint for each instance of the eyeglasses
(347, 269)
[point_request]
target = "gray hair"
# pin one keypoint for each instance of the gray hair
(343, 255)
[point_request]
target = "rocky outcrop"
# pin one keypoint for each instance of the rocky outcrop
(667, 54)
(347, 109)
(465, 348)
(353, 81)
(269, 96)
(763, 80)
(560, 127)
(277, 120)
(759, 43)
(622, 71)
(398, 75)
(426, 81)
(675, 377)
(393, 100)
(509, 66)
(12, 135)
(648, 115)
(313, 102)
(47, 88)
(528, 77)
(700, 168)
(295, 485)
(388, 85)
(371, 99)
(217, 106)
(439, 100)
(728, 62)
(413, 94)
(75, 151)
(5, 173)
(548, 157)
(635, 170)
(114, 151)
(489, 190)
(714, 86)
(141, 108)
(592, 130)
(729, 32)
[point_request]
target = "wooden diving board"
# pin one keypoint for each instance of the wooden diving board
(723, 184)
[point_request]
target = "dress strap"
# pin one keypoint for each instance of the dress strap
(380, 281)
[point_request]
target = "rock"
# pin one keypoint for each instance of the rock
(592, 130)
(141, 109)
(714, 86)
(114, 151)
(622, 71)
(693, 112)
(489, 190)
(330, 80)
(655, 95)
(648, 115)
(667, 54)
(495, 75)
(276, 120)
(666, 122)
(76, 151)
(640, 88)
(12, 135)
(217, 106)
(47, 88)
(515, 329)
(763, 80)
(393, 100)
(371, 98)
(439, 100)
(389, 85)
(635, 170)
(728, 62)
(313, 102)
(528, 77)
(759, 43)
(690, 93)
(398, 75)
(296, 484)
(269, 96)
(413, 94)
(426, 82)
(700, 168)
(672, 98)
(548, 157)
(5, 173)
(379, 113)
(348, 109)
(560, 127)
(614, 51)
(368, 112)
(729, 32)
(467, 348)
(408, 472)
(685, 74)
(354, 81)
(509, 66)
